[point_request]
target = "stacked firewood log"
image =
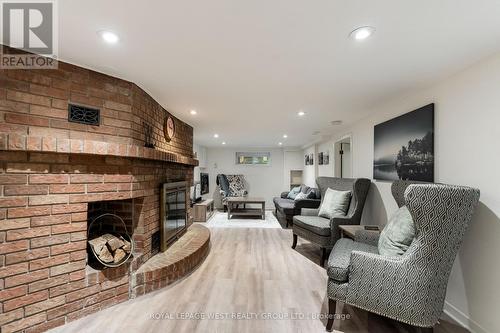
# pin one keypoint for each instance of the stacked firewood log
(110, 248)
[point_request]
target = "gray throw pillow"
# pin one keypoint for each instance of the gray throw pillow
(311, 194)
(314, 193)
(304, 188)
(335, 203)
(293, 193)
(300, 196)
(398, 234)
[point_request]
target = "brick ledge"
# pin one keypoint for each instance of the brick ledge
(16, 142)
(178, 261)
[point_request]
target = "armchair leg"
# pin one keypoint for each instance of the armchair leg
(323, 257)
(294, 243)
(332, 307)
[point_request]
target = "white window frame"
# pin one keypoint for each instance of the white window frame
(255, 155)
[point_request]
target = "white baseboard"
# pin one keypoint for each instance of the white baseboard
(462, 319)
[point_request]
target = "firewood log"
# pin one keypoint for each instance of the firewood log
(119, 255)
(97, 243)
(105, 255)
(115, 243)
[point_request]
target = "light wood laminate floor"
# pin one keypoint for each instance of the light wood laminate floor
(248, 271)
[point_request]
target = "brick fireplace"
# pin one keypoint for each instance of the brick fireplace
(55, 175)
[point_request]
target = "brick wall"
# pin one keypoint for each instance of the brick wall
(43, 224)
(50, 170)
(34, 104)
(129, 210)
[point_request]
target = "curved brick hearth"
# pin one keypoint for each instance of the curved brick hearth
(175, 263)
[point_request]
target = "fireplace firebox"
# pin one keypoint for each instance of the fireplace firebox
(173, 212)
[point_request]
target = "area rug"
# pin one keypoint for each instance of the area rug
(219, 220)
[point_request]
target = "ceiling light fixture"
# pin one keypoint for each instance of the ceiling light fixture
(193, 112)
(216, 135)
(336, 122)
(109, 37)
(301, 113)
(223, 142)
(285, 136)
(280, 143)
(362, 33)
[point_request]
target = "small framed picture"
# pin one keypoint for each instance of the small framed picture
(326, 158)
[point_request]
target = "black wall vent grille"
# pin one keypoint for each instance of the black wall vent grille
(83, 115)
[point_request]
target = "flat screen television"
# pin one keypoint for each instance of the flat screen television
(204, 182)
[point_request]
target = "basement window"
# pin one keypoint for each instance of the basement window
(253, 158)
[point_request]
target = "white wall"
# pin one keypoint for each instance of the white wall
(467, 133)
(201, 155)
(346, 160)
(293, 160)
(263, 181)
(330, 169)
(201, 152)
(325, 170)
(310, 171)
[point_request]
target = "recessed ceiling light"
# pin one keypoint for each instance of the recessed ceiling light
(362, 33)
(301, 113)
(216, 135)
(285, 136)
(109, 37)
(336, 122)
(280, 143)
(316, 132)
(223, 142)
(193, 112)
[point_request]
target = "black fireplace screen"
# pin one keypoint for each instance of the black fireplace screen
(173, 212)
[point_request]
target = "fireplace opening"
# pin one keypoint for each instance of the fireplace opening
(109, 232)
(173, 212)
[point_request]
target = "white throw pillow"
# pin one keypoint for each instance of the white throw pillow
(300, 196)
(335, 203)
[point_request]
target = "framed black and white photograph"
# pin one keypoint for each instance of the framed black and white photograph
(311, 159)
(320, 158)
(326, 157)
(404, 147)
(306, 159)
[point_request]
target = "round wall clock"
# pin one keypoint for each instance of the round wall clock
(169, 128)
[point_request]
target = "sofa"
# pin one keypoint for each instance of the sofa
(228, 186)
(410, 287)
(323, 231)
(286, 209)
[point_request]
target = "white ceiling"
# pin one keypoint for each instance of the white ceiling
(248, 67)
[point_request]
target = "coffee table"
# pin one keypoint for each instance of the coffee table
(234, 202)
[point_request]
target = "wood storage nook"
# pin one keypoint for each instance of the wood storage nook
(109, 240)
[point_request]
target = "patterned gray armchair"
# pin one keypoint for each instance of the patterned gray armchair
(410, 288)
(228, 186)
(325, 232)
